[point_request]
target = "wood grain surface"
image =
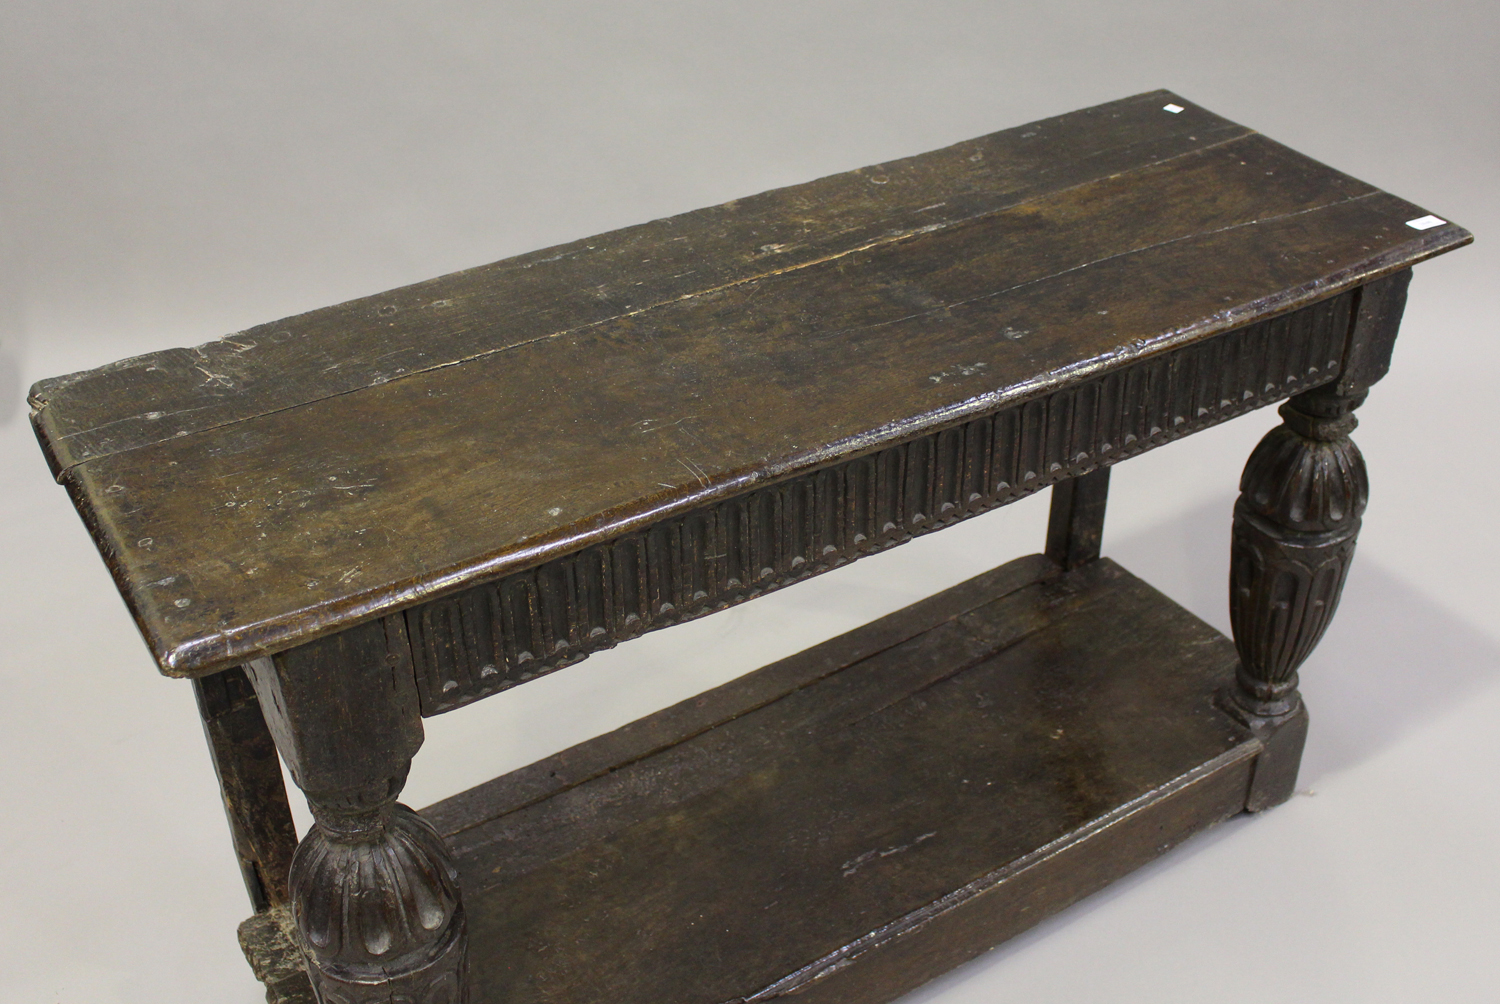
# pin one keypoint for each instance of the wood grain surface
(281, 484)
(502, 633)
(860, 817)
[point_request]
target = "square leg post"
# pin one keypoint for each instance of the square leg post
(244, 755)
(374, 892)
(1075, 528)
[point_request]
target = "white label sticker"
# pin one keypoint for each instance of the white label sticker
(1174, 109)
(1425, 223)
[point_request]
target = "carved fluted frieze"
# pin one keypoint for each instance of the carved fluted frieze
(501, 634)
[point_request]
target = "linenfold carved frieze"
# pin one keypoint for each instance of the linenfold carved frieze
(497, 635)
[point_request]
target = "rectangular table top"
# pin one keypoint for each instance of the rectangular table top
(287, 481)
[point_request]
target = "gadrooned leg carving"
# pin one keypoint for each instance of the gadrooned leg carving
(375, 898)
(1301, 498)
(374, 893)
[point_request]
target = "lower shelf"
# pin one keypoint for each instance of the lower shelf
(856, 819)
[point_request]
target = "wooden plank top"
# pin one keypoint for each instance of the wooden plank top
(285, 482)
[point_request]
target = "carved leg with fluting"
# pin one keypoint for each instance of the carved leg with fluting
(374, 893)
(1301, 498)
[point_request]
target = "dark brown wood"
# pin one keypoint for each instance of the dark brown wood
(831, 826)
(374, 892)
(708, 710)
(497, 635)
(249, 773)
(1377, 318)
(1075, 528)
(1302, 496)
(447, 320)
(269, 940)
(395, 506)
(1004, 905)
(497, 420)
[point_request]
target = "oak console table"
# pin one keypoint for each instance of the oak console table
(342, 522)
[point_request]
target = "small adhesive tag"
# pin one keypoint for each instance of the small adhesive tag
(1425, 223)
(1174, 109)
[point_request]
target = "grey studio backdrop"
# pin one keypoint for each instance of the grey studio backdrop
(173, 172)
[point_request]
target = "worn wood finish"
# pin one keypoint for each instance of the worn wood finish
(373, 891)
(1075, 526)
(359, 460)
(1295, 524)
(271, 945)
(398, 505)
(269, 939)
(244, 756)
(756, 857)
(858, 818)
(1302, 495)
(450, 319)
(497, 635)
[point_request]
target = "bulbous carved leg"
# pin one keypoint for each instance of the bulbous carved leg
(1301, 498)
(375, 898)
(374, 893)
